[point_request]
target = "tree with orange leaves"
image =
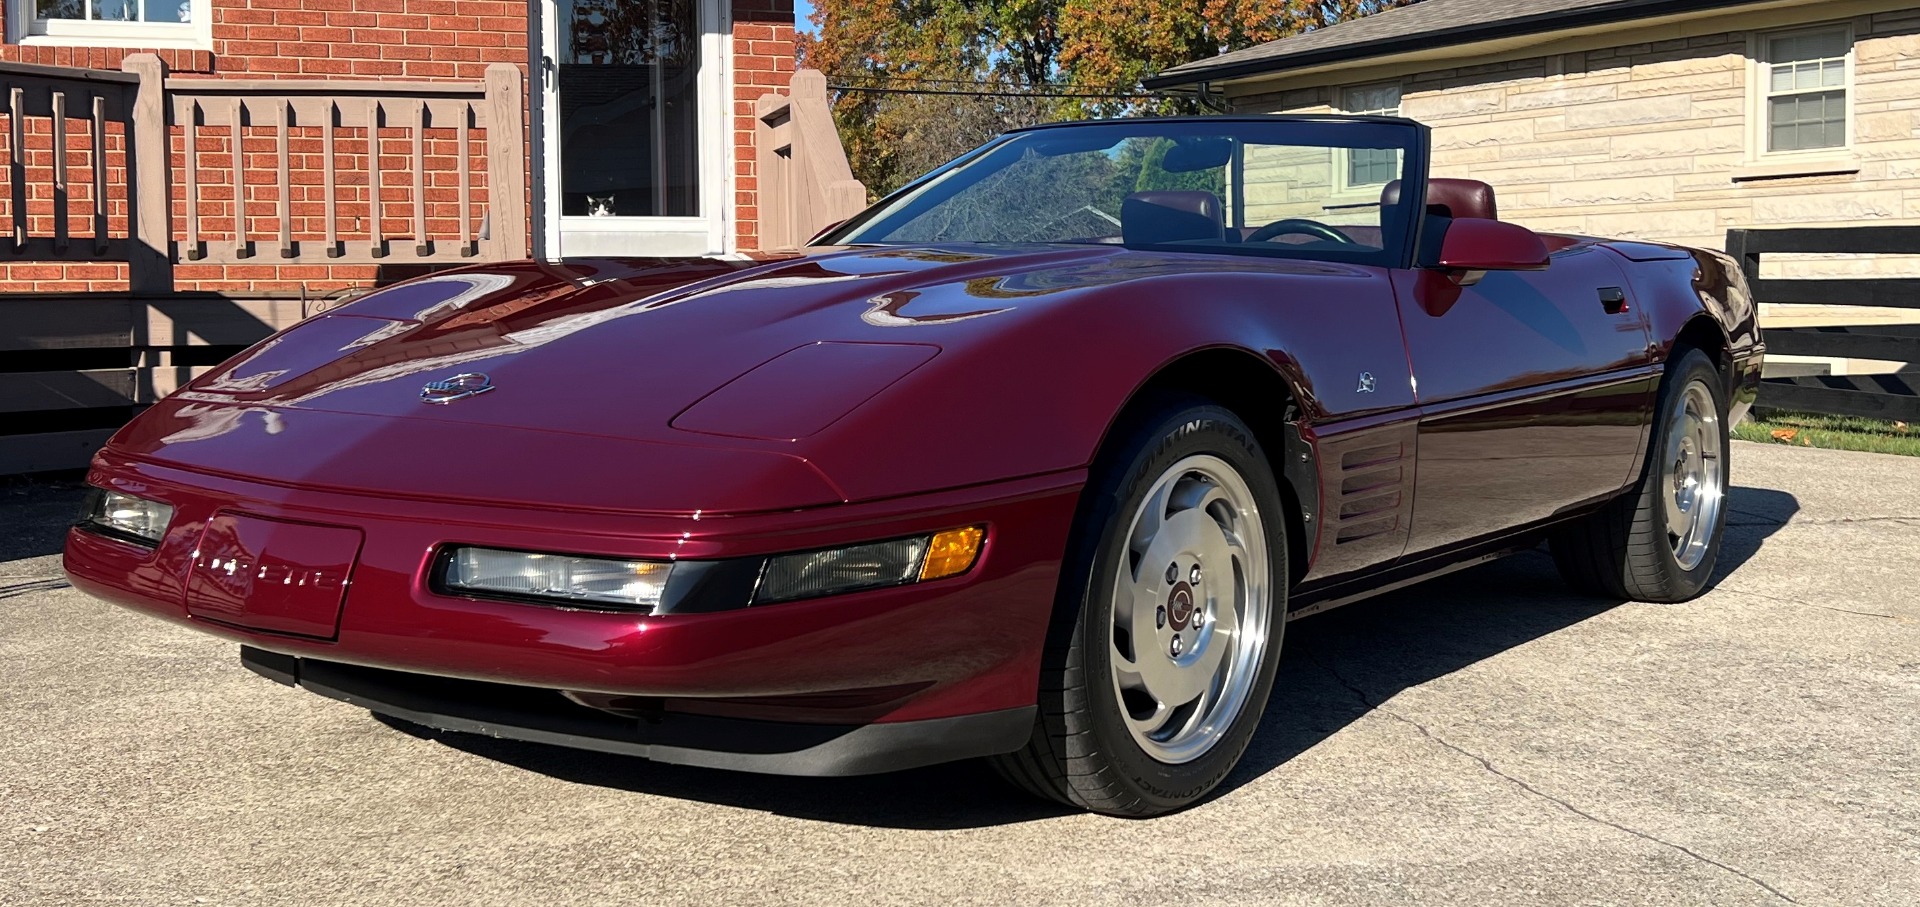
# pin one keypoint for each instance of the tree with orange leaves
(924, 80)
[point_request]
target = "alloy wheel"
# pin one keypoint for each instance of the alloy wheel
(1692, 478)
(1191, 609)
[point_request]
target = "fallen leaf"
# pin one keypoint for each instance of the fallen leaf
(1806, 442)
(1786, 434)
(1900, 426)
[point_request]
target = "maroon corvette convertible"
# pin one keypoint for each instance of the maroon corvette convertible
(1032, 461)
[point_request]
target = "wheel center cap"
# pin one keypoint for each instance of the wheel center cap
(1180, 606)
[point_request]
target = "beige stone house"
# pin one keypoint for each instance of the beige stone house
(1673, 120)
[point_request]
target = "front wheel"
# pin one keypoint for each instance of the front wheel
(1169, 624)
(1659, 543)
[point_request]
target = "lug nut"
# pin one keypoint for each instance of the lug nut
(1173, 574)
(1175, 647)
(1160, 618)
(1194, 576)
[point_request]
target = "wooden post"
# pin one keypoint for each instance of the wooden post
(801, 171)
(421, 244)
(285, 177)
(60, 200)
(506, 162)
(149, 197)
(773, 169)
(17, 163)
(375, 232)
(466, 181)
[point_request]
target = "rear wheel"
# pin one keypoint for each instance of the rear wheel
(1170, 620)
(1659, 543)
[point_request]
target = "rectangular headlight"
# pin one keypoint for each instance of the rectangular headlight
(125, 516)
(817, 573)
(564, 579)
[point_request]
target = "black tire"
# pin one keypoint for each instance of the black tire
(1081, 752)
(1626, 550)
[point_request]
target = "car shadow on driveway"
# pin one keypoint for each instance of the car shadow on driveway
(1341, 665)
(1337, 668)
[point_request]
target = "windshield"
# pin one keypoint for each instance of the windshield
(1304, 189)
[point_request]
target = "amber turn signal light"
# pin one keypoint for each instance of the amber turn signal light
(952, 552)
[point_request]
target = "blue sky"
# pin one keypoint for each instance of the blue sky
(801, 10)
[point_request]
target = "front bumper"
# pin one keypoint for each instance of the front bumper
(963, 647)
(544, 716)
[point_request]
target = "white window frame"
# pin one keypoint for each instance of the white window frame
(1343, 188)
(24, 28)
(709, 233)
(1760, 90)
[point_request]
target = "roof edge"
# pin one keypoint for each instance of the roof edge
(1197, 72)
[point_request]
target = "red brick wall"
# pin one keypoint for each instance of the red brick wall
(403, 39)
(762, 62)
(410, 39)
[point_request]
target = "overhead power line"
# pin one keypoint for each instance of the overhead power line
(1000, 94)
(884, 81)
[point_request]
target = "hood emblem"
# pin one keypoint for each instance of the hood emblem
(458, 387)
(1366, 383)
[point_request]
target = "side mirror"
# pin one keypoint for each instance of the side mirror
(1473, 246)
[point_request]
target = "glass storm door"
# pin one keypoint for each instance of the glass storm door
(629, 110)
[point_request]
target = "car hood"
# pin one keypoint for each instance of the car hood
(702, 384)
(620, 349)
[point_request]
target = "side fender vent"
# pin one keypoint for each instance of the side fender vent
(1371, 489)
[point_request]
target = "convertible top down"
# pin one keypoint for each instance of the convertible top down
(1033, 460)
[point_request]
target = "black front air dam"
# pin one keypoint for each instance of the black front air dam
(544, 716)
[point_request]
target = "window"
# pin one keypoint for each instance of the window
(1371, 168)
(1803, 83)
(1235, 186)
(629, 100)
(126, 23)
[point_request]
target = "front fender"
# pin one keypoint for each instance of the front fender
(1040, 395)
(1682, 289)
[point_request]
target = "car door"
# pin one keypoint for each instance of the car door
(1534, 389)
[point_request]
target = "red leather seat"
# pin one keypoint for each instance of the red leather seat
(1461, 198)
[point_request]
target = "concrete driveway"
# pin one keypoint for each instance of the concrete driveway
(1482, 739)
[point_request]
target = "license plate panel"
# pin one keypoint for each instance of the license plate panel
(273, 575)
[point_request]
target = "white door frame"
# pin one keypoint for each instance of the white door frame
(710, 233)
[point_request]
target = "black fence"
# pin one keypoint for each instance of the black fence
(1891, 396)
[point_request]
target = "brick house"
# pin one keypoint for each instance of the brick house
(634, 133)
(1671, 120)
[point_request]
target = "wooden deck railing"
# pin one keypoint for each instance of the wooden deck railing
(271, 171)
(166, 173)
(370, 123)
(805, 183)
(42, 103)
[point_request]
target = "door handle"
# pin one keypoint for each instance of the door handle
(1613, 299)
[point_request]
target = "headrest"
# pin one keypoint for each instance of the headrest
(1461, 198)
(1164, 216)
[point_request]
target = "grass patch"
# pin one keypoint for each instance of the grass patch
(1831, 433)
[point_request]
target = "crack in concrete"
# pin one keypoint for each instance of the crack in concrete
(1819, 521)
(1861, 613)
(1804, 604)
(1523, 785)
